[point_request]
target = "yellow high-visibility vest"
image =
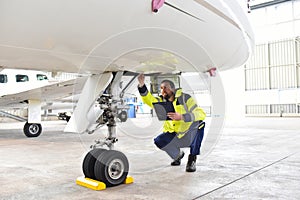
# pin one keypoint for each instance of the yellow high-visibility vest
(183, 104)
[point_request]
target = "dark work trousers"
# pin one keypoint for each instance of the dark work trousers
(171, 144)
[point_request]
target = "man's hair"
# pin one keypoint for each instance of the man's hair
(170, 82)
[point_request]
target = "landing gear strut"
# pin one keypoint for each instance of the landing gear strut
(107, 165)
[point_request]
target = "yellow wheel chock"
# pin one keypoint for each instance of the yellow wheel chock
(97, 185)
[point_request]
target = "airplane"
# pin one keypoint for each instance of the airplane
(15, 81)
(107, 40)
(17, 85)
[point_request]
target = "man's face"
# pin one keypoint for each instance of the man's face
(166, 90)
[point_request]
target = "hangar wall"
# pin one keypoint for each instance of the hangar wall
(272, 74)
(272, 79)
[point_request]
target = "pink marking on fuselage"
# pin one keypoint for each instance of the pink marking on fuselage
(157, 4)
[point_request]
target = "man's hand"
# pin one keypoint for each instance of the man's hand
(141, 79)
(175, 116)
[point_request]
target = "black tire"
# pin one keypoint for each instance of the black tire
(89, 162)
(111, 168)
(32, 129)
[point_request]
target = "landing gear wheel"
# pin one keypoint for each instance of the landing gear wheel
(32, 130)
(89, 162)
(111, 168)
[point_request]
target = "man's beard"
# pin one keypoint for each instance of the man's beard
(167, 96)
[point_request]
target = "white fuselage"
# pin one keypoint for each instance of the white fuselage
(93, 36)
(13, 81)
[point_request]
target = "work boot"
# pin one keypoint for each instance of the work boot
(191, 164)
(177, 161)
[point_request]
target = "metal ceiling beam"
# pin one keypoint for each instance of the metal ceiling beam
(266, 4)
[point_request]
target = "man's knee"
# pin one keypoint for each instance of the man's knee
(158, 142)
(163, 140)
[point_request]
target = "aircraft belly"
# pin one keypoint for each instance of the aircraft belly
(96, 36)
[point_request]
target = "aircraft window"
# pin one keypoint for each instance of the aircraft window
(3, 78)
(41, 77)
(22, 78)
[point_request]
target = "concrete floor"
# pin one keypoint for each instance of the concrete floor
(254, 158)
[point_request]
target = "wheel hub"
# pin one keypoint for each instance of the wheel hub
(34, 129)
(116, 169)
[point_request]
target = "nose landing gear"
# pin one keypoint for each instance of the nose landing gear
(106, 166)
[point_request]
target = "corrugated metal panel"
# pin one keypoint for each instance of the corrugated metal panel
(282, 53)
(297, 42)
(283, 77)
(274, 66)
(257, 109)
(268, 110)
(257, 79)
(283, 108)
(256, 72)
(259, 59)
(283, 64)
